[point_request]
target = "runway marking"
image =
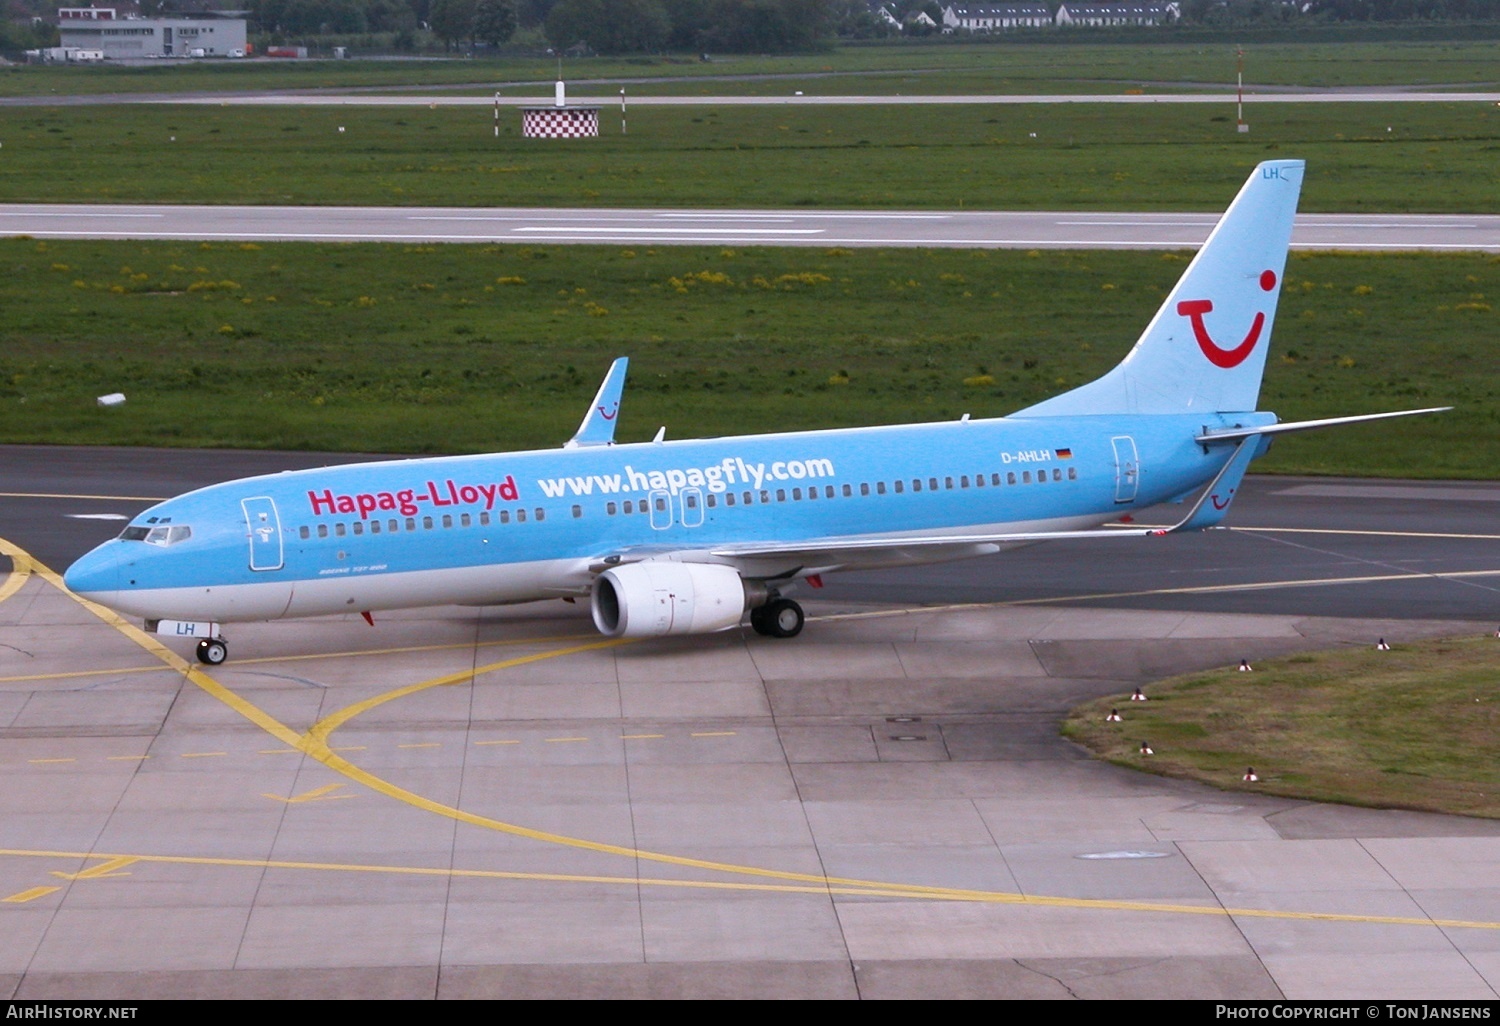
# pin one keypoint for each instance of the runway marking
(423, 744)
(674, 231)
(20, 570)
(872, 890)
(31, 895)
(317, 794)
(99, 498)
(559, 740)
(200, 755)
(104, 870)
(314, 744)
(39, 761)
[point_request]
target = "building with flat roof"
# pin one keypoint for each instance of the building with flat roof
(180, 35)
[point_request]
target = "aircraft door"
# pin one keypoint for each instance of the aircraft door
(264, 527)
(1127, 468)
(692, 507)
(661, 509)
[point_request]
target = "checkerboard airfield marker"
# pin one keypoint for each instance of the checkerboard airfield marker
(560, 121)
(1250, 777)
(1245, 666)
(1382, 646)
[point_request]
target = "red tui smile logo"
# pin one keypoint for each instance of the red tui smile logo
(1194, 309)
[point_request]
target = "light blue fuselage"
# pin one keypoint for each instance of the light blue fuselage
(520, 526)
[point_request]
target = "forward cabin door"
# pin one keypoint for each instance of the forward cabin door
(264, 527)
(1127, 468)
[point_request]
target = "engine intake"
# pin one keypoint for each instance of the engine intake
(656, 598)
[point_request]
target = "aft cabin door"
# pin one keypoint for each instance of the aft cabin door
(265, 533)
(1127, 468)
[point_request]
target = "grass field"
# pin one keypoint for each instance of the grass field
(1362, 157)
(940, 68)
(474, 348)
(1413, 728)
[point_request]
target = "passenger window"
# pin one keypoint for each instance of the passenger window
(447, 520)
(797, 493)
(520, 516)
(609, 508)
(1056, 474)
(916, 484)
(828, 491)
(898, 486)
(948, 482)
(932, 484)
(765, 495)
(505, 516)
(393, 525)
(465, 521)
(661, 505)
(864, 488)
(729, 498)
(303, 532)
(690, 501)
(374, 526)
(541, 514)
(1010, 478)
(411, 523)
(963, 481)
(359, 528)
(322, 530)
(1072, 473)
(1026, 477)
(781, 495)
(577, 512)
(426, 523)
(338, 529)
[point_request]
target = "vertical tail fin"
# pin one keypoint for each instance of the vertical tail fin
(1205, 349)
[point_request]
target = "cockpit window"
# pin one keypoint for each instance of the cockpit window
(157, 535)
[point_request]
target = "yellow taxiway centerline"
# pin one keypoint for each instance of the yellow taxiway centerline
(113, 861)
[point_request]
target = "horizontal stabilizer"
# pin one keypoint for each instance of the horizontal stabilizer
(1235, 434)
(598, 427)
(1214, 502)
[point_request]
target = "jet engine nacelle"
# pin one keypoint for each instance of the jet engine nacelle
(654, 599)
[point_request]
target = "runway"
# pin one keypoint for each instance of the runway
(485, 803)
(988, 229)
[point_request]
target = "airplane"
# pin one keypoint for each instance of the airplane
(687, 537)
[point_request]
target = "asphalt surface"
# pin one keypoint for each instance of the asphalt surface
(989, 229)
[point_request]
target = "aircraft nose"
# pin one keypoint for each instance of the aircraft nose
(95, 575)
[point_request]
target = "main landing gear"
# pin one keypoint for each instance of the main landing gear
(779, 618)
(212, 651)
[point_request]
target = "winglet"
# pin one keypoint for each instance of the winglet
(1213, 504)
(598, 427)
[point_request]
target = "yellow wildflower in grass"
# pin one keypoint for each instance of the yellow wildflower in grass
(509, 279)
